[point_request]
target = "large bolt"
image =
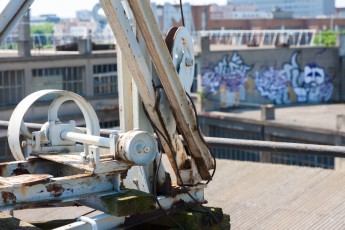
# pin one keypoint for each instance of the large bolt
(147, 149)
(189, 62)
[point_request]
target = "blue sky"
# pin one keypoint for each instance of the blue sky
(67, 8)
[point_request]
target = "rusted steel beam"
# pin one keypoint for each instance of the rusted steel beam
(26, 189)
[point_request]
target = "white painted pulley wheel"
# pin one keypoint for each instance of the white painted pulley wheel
(17, 127)
(181, 47)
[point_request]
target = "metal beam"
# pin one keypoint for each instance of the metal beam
(180, 106)
(142, 76)
(11, 14)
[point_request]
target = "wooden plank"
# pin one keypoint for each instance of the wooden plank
(182, 111)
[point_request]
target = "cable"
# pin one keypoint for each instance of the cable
(159, 164)
(202, 137)
(181, 9)
(155, 193)
(175, 162)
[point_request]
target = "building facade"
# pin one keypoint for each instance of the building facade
(305, 8)
(93, 76)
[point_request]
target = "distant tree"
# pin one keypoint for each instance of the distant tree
(327, 38)
(39, 31)
(44, 28)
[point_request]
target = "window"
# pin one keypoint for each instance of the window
(11, 86)
(66, 78)
(105, 79)
(6, 154)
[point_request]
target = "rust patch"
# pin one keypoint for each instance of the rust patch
(20, 170)
(55, 190)
(8, 197)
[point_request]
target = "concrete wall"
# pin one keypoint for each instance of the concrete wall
(26, 64)
(281, 76)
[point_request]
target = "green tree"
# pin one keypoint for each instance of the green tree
(42, 28)
(327, 38)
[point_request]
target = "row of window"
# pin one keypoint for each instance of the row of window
(11, 86)
(65, 78)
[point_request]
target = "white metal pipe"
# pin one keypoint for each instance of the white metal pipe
(85, 138)
(89, 220)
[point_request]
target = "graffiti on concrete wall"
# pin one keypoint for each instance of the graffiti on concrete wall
(226, 77)
(293, 83)
(288, 83)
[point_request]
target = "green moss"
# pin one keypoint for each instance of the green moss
(128, 203)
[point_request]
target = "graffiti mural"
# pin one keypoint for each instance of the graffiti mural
(308, 84)
(288, 83)
(227, 77)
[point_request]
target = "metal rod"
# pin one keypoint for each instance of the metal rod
(249, 145)
(276, 147)
(85, 138)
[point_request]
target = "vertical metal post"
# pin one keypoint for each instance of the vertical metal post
(339, 163)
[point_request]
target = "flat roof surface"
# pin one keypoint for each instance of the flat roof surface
(267, 196)
(312, 116)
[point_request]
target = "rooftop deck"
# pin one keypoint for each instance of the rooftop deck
(266, 196)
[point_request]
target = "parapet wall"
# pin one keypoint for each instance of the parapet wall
(280, 76)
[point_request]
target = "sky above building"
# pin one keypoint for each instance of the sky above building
(67, 8)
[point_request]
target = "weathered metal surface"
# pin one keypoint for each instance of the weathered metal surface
(27, 188)
(168, 75)
(33, 166)
(182, 198)
(74, 161)
(181, 49)
(142, 76)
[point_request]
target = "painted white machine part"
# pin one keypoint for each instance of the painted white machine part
(16, 124)
(183, 57)
(137, 147)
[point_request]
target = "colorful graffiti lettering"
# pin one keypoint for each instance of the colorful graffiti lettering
(272, 83)
(228, 73)
(288, 84)
(309, 84)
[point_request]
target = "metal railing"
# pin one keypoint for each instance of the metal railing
(248, 145)
(260, 38)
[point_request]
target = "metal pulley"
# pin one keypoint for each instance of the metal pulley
(181, 47)
(137, 147)
(49, 130)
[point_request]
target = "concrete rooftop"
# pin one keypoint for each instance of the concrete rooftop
(267, 196)
(311, 116)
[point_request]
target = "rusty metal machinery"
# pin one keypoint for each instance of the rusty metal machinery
(121, 174)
